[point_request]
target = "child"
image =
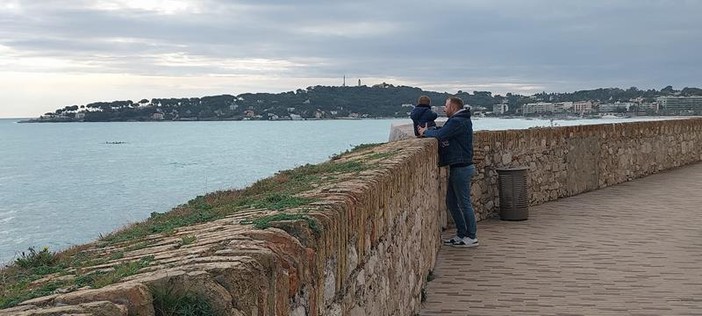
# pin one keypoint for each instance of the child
(422, 115)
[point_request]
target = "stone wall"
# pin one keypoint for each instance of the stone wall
(379, 239)
(384, 238)
(565, 161)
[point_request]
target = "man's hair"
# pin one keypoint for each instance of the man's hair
(456, 101)
(424, 100)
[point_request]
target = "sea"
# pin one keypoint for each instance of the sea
(63, 184)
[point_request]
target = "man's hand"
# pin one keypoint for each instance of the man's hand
(421, 129)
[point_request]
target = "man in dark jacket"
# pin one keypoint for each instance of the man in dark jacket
(422, 115)
(456, 151)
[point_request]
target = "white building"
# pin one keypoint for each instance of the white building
(649, 106)
(681, 105)
(563, 106)
(582, 107)
(616, 107)
(538, 107)
(501, 108)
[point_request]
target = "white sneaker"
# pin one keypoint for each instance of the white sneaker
(453, 240)
(466, 242)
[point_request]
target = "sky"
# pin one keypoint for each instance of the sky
(57, 53)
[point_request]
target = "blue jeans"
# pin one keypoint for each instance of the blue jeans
(458, 200)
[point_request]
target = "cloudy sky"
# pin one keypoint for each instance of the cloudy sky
(64, 52)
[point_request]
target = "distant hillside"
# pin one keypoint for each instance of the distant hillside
(322, 102)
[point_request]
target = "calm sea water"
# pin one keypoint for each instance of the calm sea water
(65, 184)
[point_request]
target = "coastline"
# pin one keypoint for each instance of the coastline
(208, 120)
(554, 118)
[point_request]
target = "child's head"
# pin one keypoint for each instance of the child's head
(424, 100)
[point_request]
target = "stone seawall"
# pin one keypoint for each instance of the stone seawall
(565, 161)
(373, 243)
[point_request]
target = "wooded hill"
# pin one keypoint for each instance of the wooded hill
(325, 102)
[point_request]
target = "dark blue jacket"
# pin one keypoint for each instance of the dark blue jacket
(455, 140)
(421, 115)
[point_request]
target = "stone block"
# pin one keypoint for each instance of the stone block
(136, 297)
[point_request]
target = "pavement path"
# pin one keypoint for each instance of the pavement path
(630, 249)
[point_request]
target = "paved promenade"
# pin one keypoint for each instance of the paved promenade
(631, 249)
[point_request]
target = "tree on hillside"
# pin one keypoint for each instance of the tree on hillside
(691, 91)
(668, 90)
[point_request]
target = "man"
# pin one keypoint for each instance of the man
(456, 151)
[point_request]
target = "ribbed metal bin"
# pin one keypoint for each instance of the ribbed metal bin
(514, 201)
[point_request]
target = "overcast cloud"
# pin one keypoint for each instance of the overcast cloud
(73, 52)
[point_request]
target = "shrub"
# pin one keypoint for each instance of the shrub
(36, 259)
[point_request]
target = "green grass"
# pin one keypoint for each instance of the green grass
(276, 193)
(366, 146)
(16, 280)
(277, 201)
(16, 283)
(36, 259)
(22, 292)
(46, 270)
(356, 148)
(265, 221)
(168, 302)
(100, 279)
(117, 255)
(385, 155)
(139, 245)
(187, 240)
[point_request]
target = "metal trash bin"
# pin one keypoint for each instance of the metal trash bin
(514, 200)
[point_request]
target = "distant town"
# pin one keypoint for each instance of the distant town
(383, 101)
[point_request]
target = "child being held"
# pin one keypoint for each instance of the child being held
(422, 115)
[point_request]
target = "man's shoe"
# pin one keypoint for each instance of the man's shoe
(466, 242)
(452, 241)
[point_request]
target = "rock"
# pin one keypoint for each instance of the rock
(105, 308)
(329, 282)
(357, 311)
(490, 205)
(507, 159)
(16, 310)
(41, 301)
(135, 296)
(351, 259)
(298, 311)
(334, 310)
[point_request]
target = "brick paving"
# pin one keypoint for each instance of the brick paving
(630, 249)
